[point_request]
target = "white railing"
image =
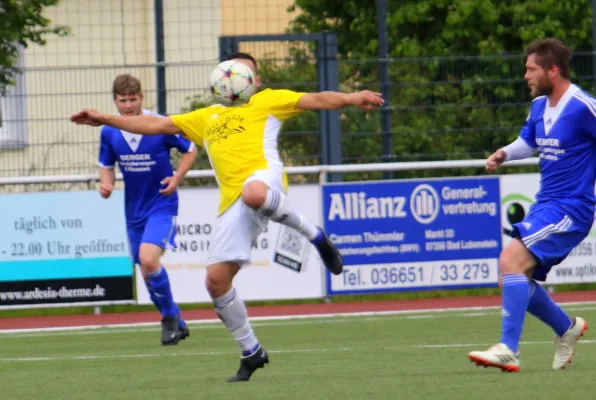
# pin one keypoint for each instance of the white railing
(322, 170)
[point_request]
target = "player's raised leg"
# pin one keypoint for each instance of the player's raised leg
(274, 204)
(159, 234)
(567, 329)
(545, 309)
(514, 261)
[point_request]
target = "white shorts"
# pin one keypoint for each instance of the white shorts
(237, 229)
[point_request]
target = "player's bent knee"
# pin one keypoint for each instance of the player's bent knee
(254, 194)
(217, 285)
(149, 258)
(515, 259)
(219, 278)
(508, 264)
(149, 265)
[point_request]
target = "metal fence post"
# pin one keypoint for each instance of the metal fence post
(227, 46)
(384, 80)
(323, 116)
(160, 57)
(334, 123)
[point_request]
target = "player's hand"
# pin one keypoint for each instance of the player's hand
(495, 160)
(87, 117)
(105, 189)
(366, 100)
(171, 183)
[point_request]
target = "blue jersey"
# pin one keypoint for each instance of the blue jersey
(144, 162)
(565, 137)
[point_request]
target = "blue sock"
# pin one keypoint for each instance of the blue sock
(545, 309)
(515, 298)
(157, 303)
(160, 283)
(154, 298)
(232, 312)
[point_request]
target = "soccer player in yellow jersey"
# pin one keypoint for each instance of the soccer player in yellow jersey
(241, 142)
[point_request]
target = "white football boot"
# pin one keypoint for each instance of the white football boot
(566, 344)
(497, 356)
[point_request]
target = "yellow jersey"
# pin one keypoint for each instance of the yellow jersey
(242, 139)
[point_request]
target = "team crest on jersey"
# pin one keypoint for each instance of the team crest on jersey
(226, 127)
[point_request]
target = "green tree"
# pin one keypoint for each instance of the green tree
(456, 73)
(22, 23)
(446, 27)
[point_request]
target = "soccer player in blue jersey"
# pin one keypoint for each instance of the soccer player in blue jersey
(561, 127)
(150, 196)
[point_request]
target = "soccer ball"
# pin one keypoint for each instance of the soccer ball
(232, 83)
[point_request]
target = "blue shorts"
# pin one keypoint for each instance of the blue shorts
(159, 230)
(550, 234)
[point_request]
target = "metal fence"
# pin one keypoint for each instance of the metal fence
(440, 108)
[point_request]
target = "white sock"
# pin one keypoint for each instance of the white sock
(278, 209)
(232, 312)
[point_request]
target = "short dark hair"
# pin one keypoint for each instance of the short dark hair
(126, 85)
(551, 52)
(243, 56)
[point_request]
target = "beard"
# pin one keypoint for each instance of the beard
(544, 87)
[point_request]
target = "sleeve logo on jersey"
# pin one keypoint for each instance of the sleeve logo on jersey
(225, 128)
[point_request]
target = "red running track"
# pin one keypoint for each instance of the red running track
(289, 310)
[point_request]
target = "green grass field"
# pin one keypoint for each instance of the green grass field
(404, 356)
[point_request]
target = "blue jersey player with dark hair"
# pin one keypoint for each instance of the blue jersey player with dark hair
(561, 127)
(150, 197)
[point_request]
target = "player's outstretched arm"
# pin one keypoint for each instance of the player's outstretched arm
(517, 150)
(141, 124)
(365, 100)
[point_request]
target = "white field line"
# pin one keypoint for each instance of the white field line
(280, 351)
(161, 355)
(267, 322)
